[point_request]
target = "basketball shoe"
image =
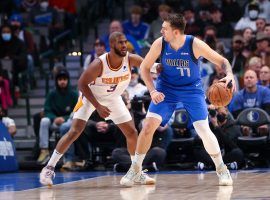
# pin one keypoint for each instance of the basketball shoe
(224, 175)
(144, 179)
(135, 175)
(46, 176)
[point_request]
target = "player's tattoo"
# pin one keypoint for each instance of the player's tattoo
(226, 66)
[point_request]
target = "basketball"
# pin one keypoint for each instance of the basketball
(219, 95)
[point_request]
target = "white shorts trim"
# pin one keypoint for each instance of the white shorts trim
(154, 115)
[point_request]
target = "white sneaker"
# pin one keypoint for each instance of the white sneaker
(46, 176)
(144, 179)
(132, 174)
(224, 176)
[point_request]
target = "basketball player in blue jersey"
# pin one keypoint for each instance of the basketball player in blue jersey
(179, 81)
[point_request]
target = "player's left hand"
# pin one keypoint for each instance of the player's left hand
(230, 82)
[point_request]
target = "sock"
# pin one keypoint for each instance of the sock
(54, 159)
(132, 158)
(217, 159)
(138, 159)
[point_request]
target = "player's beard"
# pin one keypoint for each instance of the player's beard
(119, 53)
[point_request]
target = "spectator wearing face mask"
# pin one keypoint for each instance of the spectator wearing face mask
(14, 50)
(250, 20)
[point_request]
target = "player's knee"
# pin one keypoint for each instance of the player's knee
(147, 129)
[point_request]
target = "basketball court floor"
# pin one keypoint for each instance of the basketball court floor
(253, 184)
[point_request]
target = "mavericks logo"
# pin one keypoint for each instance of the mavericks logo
(6, 148)
(253, 116)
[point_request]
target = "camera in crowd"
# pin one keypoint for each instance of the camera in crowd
(140, 104)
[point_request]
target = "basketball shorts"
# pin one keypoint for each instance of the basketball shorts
(119, 112)
(194, 104)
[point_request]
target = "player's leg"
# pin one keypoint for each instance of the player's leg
(82, 112)
(197, 109)
(156, 115)
(131, 134)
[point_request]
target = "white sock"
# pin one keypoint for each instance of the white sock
(55, 158)
(132, 158)
(138, 159)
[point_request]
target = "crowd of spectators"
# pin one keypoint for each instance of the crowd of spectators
(240, 31)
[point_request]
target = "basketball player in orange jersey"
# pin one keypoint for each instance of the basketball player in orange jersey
(101, 86)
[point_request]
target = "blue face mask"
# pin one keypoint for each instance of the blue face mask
(6, 36)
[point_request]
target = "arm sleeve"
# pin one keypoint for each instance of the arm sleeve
(48, 108)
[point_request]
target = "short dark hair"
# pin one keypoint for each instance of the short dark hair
(177, 21)
(114, 36)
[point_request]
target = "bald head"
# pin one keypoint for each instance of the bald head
(250, 79)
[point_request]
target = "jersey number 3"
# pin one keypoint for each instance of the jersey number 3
(112, 88)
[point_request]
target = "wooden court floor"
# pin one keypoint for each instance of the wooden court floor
(170, 186)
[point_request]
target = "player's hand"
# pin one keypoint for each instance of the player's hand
(157, 97)
(230, 82)
(103, 111)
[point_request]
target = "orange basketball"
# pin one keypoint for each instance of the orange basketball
(219, 95)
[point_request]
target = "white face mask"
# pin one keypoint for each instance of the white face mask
(44, 5)
(253, 14)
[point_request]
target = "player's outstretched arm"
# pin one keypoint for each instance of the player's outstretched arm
(89, 76)
(200, 48)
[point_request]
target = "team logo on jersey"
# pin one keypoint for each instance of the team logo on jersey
(125, 68)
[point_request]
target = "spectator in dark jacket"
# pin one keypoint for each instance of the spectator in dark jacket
(57, 109)
(13, 49)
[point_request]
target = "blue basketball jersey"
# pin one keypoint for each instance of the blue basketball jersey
(180, 81)
(180, 67)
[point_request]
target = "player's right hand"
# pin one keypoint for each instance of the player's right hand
(157, 97)
(103, 111)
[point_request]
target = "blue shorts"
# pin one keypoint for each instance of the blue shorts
(194, 103)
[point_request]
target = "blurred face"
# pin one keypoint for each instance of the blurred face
(62, 82)
(265, 73)
(167, 31)
(260, 24)
(222, 110)
(237, 45)
(216, 16)
(6, 30)
(247, 34)
(256, 66)
(163, 14)
(262, 45)
(99, 48)
(189, 15)
(250, 79)
(135, 18)
(116, 27)
(210, 33)
(120, 46)
(267, 30)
